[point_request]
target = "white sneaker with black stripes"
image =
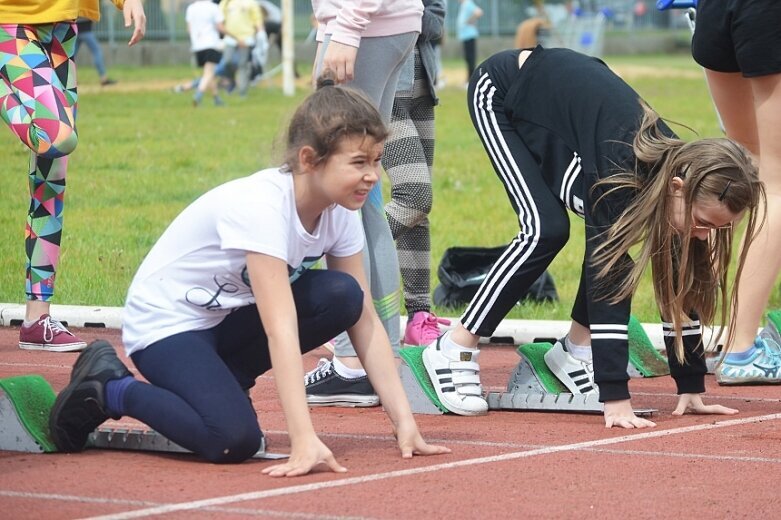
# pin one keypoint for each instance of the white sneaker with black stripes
(577, 375)
(456, 380)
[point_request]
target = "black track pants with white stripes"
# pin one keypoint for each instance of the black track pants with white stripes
(542, 216)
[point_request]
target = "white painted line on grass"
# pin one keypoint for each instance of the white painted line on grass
(291, 490)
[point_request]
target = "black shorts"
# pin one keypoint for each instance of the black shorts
(738, 36)
(207, 56)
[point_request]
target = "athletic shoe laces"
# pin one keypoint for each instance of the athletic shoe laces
(51, 328)
(324, 368)
(770, 348)
(426, 330)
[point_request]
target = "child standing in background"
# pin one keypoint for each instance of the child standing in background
(38, 102)
(205, 25)
(365, 44)
(409, 159)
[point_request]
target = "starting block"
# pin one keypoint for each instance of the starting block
(531, 385)
(25, 404)
(420, 392)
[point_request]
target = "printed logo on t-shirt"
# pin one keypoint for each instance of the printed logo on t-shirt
(209, 297)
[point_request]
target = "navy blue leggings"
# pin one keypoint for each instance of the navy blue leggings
(198, 380)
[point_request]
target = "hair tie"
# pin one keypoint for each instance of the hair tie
(724, 191)
(327, 82)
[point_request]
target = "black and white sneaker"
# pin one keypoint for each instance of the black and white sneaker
(575, 374)
(456, 381)
(324, 387)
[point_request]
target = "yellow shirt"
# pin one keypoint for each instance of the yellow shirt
(50, 11)
(242, 18)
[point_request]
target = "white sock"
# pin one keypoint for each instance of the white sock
(581, 352)
(452, 349)
(29, 323)
(347, 372)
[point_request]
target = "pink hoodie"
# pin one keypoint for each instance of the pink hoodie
(347, 21)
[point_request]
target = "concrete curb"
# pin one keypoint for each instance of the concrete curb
(12, 314)
(514, 331)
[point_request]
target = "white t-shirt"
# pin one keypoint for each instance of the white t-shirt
(202, 17)
(196, 273)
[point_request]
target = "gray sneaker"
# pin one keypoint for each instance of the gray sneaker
(762, 368)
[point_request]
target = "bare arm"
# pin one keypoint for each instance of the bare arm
(475, 16)
(374, 349)
(271, 287)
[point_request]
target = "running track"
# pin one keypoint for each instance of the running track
(507, 464)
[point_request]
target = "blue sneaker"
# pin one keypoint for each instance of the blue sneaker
(762, 368)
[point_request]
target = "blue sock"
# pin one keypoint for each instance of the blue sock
(115, 394)
(740, 357)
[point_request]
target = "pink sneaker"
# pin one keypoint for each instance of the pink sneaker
(49, 334)
(423, 329)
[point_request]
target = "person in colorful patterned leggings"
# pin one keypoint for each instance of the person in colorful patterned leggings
(38, 102)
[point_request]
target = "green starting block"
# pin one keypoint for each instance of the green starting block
(25, 405)
(532, 386)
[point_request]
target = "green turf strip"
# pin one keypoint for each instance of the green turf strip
(774, 317)
(642, 354)
(413, 356)
(33, 398)
(535, 355)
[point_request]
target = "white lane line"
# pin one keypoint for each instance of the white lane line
(231, 510)
(304, 488)
(715, 397)
(518, 445)
(691, 456)
(33, 365)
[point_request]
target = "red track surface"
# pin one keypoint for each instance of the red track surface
(507, 464)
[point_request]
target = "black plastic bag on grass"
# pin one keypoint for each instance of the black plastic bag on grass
(463, 269)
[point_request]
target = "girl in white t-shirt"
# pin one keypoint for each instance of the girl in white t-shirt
(227, 291)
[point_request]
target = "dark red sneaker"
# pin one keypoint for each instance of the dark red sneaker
(49, 334)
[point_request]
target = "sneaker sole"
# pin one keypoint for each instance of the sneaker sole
(432, 375)
(343, 400)
(67, 347)
(748, 381)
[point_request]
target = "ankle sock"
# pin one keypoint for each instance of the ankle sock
(450, 348)
(115, 394)
(347, 372)
(740, 357)
(580, 352)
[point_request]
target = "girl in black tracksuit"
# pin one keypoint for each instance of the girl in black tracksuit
(560, 130)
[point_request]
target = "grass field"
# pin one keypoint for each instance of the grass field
(145, 153)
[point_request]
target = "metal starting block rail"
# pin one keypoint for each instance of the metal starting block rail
(148, 440)
(577, 403)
